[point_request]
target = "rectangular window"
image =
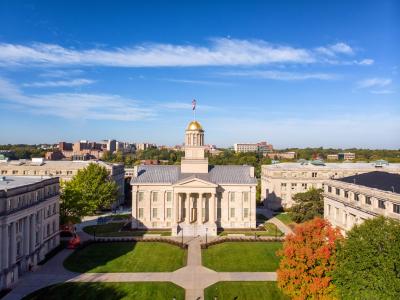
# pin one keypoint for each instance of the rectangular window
(232, 212)
(356, 197)
(169, 212)
(314, 174)
(232, 196)
(283, 185)
(246, 196)
(169, 196)
(245, 212)
(338, 192)
(368, 200)
(155, 196)
(381, 204)
(329, 189)
(346, 194)
(154, 212)
(304, 185)
(141, 196)
(140, 213)
(396, 208)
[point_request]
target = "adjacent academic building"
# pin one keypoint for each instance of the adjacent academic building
(193, 198)
(351, 200)
(64, 169)
(280, 182)
(29, 224)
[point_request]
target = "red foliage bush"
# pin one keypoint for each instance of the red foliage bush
(308, 258)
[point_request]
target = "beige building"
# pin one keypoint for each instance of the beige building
(194, 198)
(65, 170)
(279, 182)
(29, 224)
(351, 200)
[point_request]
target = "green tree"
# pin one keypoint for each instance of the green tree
(308, 205)
(368, 265)
(89, 190)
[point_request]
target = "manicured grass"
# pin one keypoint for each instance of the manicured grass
(250, 290)
(242, 257)
(285, 218)
(109, 291)
(112, 230)
(270, 230)
(127, 257)
(121, 216)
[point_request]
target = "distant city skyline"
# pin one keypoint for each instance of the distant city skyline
(294, 74)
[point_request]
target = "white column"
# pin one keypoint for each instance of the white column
(187, 208)
(175, 207)
(212, 209)
(13, 242)
(200, 209)
(26, 235)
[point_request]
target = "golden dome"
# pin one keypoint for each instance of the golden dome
(194, 125)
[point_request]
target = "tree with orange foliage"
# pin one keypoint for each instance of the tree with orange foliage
(308, 258)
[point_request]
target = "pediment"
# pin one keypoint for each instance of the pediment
(194, 182)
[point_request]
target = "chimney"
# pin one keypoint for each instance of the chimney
(252, 172)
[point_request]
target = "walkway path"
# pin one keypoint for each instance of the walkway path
(281, 226)
(194, 278)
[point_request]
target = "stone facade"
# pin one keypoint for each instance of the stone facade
(65, 170)
(193, 198)
(279, 182)
(29, 224)
(347, 204)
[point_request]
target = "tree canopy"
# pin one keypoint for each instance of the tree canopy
(369, 261)
(89, 190)
(308, 258)
(308, 205)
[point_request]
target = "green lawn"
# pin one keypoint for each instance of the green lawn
(109, 291)
(270, 230)
(244, 291)
(242, 257)
(112, 230)
(127, 257)
(285, 218)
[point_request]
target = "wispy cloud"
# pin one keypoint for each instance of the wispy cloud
(365, 62)
(60, 83)
(62, 73)
(333, 50)
(74, 105)
(280, 75)
(192, 81)
(382, 92)
(219, 52)
(374, 83)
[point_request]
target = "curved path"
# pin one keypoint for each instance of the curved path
(194, 278)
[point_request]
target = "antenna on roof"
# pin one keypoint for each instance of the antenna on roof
(354, 180)
(393, 188)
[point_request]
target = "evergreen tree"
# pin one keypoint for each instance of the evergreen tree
(308, 205)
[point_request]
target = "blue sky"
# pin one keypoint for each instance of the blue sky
(294, 73)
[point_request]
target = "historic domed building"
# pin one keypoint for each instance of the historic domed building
(195, 197)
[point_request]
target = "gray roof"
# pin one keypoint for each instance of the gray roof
(10, 182)
(172, 174)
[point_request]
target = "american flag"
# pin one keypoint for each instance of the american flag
(194, 104)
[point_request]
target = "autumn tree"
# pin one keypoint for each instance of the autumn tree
(307, 205)
(308, 259)
(368, 265)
